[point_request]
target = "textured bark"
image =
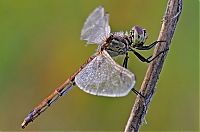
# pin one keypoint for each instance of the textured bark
(169, 22)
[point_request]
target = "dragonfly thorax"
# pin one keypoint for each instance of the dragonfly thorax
(117, 44)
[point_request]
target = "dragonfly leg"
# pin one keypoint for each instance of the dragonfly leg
(147, 47)
(149, 59)
(125, 63)
(137, 93)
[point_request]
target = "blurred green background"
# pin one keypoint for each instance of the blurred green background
(40, 48)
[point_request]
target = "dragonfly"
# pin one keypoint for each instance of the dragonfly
(100, 75)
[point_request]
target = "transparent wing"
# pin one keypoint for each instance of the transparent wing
(96, 28)
(104, 77)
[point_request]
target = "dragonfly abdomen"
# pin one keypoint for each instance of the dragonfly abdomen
(53, 97)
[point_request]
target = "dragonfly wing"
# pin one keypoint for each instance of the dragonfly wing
(96, 28)
(104, 77)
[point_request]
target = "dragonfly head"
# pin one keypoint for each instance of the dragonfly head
(138, 35)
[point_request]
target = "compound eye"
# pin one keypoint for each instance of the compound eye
(145, 33)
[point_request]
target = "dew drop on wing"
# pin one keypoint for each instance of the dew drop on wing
(106, 78)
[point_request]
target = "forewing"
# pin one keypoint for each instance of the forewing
(104, 77)
(96, 28)
(94, 17)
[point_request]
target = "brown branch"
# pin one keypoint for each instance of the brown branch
(139, 110)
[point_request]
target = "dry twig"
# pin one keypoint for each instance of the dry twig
(139, 110)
